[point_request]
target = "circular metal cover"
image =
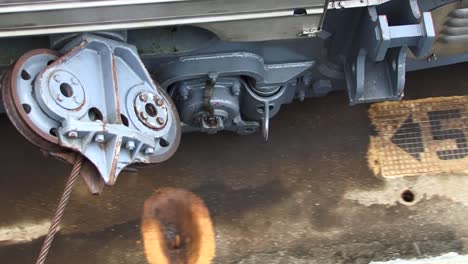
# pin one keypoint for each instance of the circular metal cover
(66, 90)
(21, 107)
(151, 110)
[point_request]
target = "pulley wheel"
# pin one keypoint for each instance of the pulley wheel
(176, 228)
(20, 104)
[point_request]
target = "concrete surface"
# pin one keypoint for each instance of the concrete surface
(306, 196)
(449, 258)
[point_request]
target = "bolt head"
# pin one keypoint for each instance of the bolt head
(143, 115)
(149, 151)
(160, 120)
(143, 97)
(432, 57)
(99, 138)
(184, 93)
(56, 77)
(72, 134)
(235, 90)
(74, 81)
(130, 145)
(159, 102)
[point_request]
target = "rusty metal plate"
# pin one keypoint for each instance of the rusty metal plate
(427, 136)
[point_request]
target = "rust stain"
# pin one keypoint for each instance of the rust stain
(177, 228)
(72, 52)
(118, 120)
(115, 159)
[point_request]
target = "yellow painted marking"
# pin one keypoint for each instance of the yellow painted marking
(427, 136)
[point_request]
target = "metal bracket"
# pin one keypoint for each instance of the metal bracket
(229, 64)
(340, 4)
(99, 100)
(375, 68)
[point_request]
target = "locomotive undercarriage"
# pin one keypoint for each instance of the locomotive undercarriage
(120, 90)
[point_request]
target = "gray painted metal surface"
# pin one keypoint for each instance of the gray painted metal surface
(376, 66)
(101, 102)
(287, 18)
(455, 29)
(215, 110)
(221, 76)
(51, 17)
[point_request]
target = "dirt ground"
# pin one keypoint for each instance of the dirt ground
(305, 196)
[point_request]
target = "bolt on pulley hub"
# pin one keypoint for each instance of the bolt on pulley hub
(151, 109)
(66, 90)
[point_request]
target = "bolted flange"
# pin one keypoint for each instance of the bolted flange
(66, 90)
(151, 110)
(111, 112)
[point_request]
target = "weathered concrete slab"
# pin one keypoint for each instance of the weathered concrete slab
(450, 258)
(306, 196)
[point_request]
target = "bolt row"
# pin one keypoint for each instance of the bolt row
(99, 138)
(144, 97)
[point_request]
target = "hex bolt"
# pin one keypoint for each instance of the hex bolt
(74, 81)
(160, 120)
(72, 134)
(184, 93)
(432, 57)
(159, 102)
(99, 138)
(143, 97)
(149, 151)
(235, 90)
(130, 145)
(56, 77)
(60, 98)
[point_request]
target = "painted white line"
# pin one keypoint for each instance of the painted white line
(450, 258)
(23, 232)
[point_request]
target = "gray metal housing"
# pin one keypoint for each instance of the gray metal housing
(233, 69)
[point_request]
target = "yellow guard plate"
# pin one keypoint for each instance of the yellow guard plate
(427, 136)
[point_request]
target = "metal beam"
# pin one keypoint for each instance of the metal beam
(26, 18)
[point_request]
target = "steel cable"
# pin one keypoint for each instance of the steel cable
(60, 210)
